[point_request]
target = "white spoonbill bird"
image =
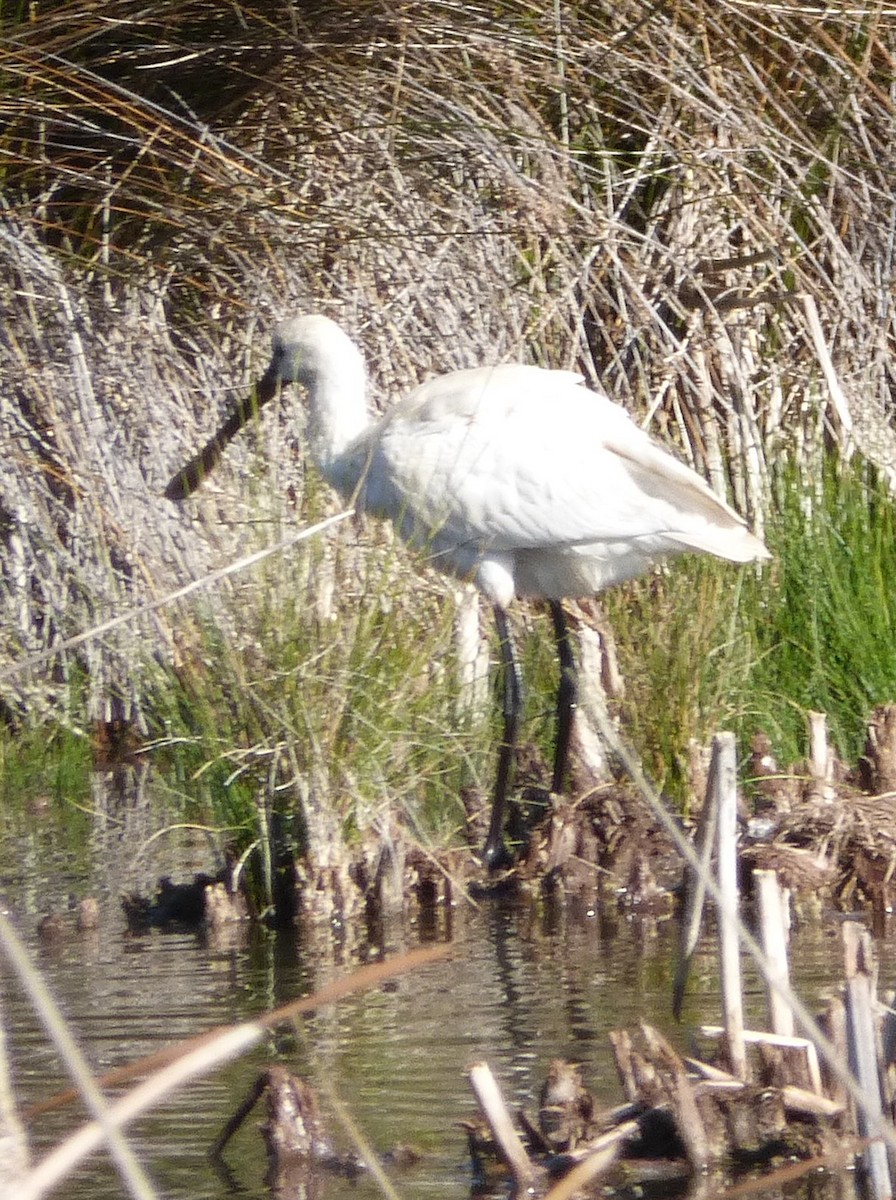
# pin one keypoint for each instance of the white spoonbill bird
(515, 477)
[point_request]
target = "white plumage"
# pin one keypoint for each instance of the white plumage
(518, 478)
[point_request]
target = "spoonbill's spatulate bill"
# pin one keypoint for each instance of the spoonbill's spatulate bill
(517, 478)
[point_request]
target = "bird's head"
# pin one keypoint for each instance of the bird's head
(310, 348)
(314, 352)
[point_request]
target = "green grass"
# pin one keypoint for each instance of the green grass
(823, 629)
(705, 645)
(545, 210)
(43, 762)
(362, 707)
(358, 706)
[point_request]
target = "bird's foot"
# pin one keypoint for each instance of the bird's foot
(501, 879)
(497, 857)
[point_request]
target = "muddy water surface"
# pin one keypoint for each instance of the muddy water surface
(522, 986)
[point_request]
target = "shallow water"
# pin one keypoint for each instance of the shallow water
(521, 987)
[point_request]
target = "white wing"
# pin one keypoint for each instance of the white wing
(518, 458)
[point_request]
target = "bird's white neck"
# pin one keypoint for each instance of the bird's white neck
(337, 404)
(313, 351)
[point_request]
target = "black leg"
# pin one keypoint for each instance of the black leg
(496, 854)
(566, 695)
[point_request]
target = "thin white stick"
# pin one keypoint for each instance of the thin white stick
(863, 1051)
(821, 760)
(881, 1126)
(132, 1174)
(196, 585)
(773, 924)
(208, 1051)
(695, 885)
(598, 1162)
(863, 1054)
(494, 1110)
(838, 399)
(725, 798)
(759, 1037)
(52, 1169)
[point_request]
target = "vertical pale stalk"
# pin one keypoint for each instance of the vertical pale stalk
(725, 798)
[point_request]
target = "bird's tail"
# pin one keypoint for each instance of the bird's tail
(736, 544)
